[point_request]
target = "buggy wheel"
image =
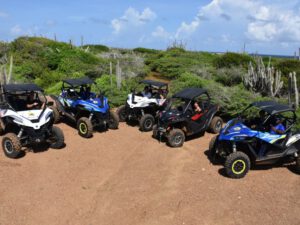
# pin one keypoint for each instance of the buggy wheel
(298, 164)
(216, 125)
(121, 111)
(176, 138)
(237, 165)
(85, 127)
(57, 139)
(146, 122)
(11, 145)
(2, 127)
(212, 151)
(154, 131)
(56, 115)
(113, 122)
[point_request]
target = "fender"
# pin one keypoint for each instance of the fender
(295, 139)
(214, 112)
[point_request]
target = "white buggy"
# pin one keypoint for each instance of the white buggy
(143, 106)
(25, 123)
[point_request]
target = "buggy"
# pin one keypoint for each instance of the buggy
(142, 108)
(180, 120)
(248, 140)
(84, 108)
(26, 124)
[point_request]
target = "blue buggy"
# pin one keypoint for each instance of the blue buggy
(252, 139)
(83, 107)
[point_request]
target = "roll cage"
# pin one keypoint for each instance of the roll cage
(76, 84)
(272, 108)
(155, 85)
(9, 92)
(189, 95)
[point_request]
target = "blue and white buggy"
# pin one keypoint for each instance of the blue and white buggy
(85, 108)
(242, 141)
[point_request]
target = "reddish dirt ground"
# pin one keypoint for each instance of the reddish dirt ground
(124, 177)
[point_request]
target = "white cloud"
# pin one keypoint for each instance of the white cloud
(186, 30)
(16, 30)
(133, 17)
(269, 21)
(161, 33)
(3, 15)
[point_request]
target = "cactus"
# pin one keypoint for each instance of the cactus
(293, 90)
(5, 78)
(262, 79)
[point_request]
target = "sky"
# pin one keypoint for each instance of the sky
(261, 26)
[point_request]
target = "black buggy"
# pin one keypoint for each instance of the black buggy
(142, 108)
(26, 120)
(179, 119)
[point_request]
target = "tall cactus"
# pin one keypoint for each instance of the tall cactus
(5, 77)
(262, 79)
(293, 90)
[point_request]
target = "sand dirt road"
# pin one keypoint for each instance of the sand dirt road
(124, 177)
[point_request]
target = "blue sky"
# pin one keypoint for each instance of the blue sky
(265, 26)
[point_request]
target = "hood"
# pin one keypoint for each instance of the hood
(170, 115)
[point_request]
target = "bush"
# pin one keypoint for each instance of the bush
(96, 48)
(231, 59)
(146, 50)
(232, 100)
(115, 96)
(288, 66)
(176, 61)
(230, 76)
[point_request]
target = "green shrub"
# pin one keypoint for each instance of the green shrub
(146, 50)
(232, 100)
(231, 59)
(230, 76)
(115, 96)
(97, 48)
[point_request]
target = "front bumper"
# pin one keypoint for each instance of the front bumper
(37, 136)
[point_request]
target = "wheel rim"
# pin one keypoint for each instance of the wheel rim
(82, 128)
(8, 146)
(177, 139)
(238, 166)
(218, 125)
(148, 124)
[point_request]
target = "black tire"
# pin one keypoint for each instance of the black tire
(113, 122)
(11, 145)
(176, 138)
(146, 122)
(56, 114)
(2, 127)
(237, 165)
(298, 164)
(216, 125)
(57, 139)
(212, 143)
(122, 113)
(85, 127)
(154, 131)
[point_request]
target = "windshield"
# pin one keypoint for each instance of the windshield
(21, 101)
(178, 104)
(260, 120)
